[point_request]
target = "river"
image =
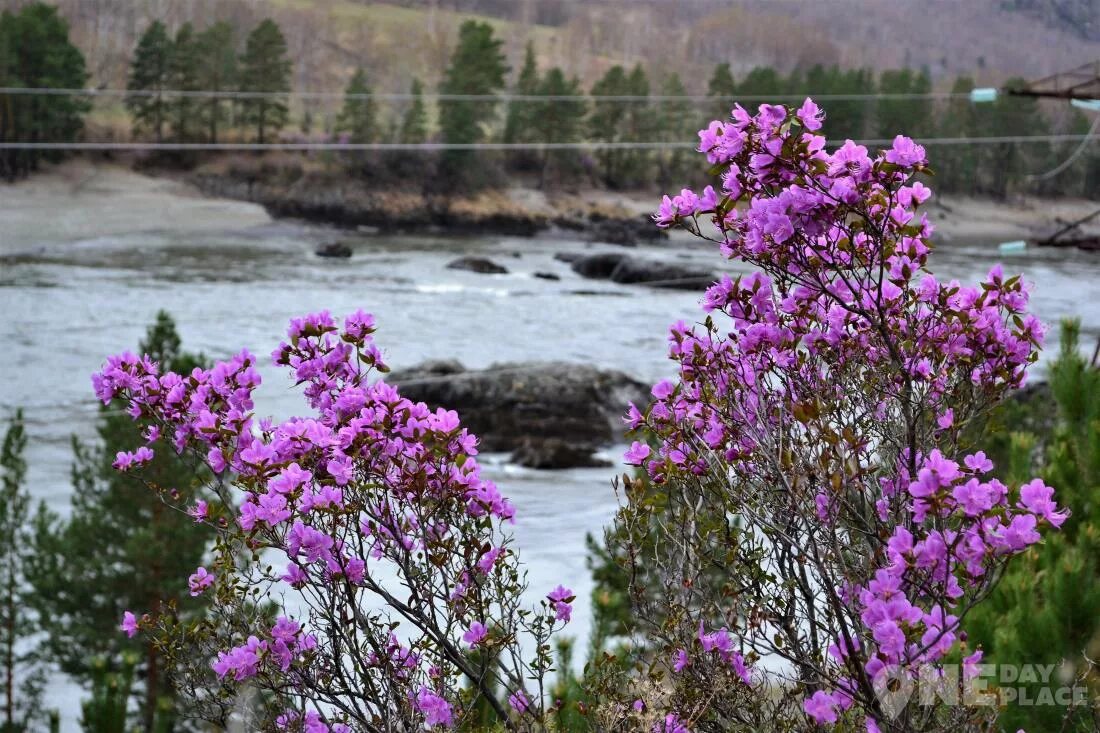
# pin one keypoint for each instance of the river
(231, 277)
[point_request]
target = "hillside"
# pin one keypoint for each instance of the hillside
(992, 39)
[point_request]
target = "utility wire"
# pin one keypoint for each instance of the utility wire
(1089, 137)
(428, 147)
(504, 97)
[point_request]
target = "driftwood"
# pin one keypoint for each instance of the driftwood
(1071, 235)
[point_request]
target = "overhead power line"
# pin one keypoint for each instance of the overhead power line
(306, 146)
(504, 97)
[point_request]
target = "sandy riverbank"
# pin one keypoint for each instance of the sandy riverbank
(81, 200)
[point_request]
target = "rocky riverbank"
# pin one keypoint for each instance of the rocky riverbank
(324, 197)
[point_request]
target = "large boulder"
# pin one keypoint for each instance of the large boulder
(625, 232)
(598, 266)
(569, 408)
(552, 453)
(482, 265)
(660, 274)
(622, 268)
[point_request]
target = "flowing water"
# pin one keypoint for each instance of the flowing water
(231, 279)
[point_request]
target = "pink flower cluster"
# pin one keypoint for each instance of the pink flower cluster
(838, 332)
(960, 526)
(283, 644)
(370, 486)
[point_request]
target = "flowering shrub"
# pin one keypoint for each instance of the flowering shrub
(370, 527)
(820, 531)
(811, 531)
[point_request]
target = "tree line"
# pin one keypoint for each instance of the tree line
(240, 88)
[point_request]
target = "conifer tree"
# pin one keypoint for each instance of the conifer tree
(35, 52)
(359, 115)
(957, 167)
(522, 113)
(150, 77)
(24, 675)
(762, 81)
(911, 114)
(184, 76)
(414, 123)
(265, 69)
(638, 126)
(722, 88)
(675, 124)
(1046, 610)
(217, 72)
(477, 68)
(558, 121)
(607, 120)
(123, 547)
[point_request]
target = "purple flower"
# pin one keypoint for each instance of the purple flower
(435, 709)
(199, 511)
(1037, 497)
(680, 660)
(905, 152)
(199, 581)
(810, 115)
(129, 624)
(821, 707)
(560, 598)
(519, 702)
(476, 633)
(637, 454)
(124, 460)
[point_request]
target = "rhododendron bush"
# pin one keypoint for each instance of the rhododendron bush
(812, 530)
(809, 529)
(368, 522)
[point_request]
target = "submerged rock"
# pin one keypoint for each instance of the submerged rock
(557, 412)
(334, 249)
(482, 265)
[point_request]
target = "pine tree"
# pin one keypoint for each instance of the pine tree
(558, 121)
(675, 124)
(150, 77)
(265, 68)
(522, 113)
(1046, 609)
(35, 52)
(957, 165)
(414, 124)
(217, 72)
(607, 120)
(23, 671)
(761, 81)
(123, 548)
(723, 89)
(638, 126)
(913, 115)
(184, 76)
(359, 115)
(477, 68)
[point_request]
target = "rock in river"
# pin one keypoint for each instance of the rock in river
(552, 414)
(622, 268)
(477, 264)
(334, 249)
